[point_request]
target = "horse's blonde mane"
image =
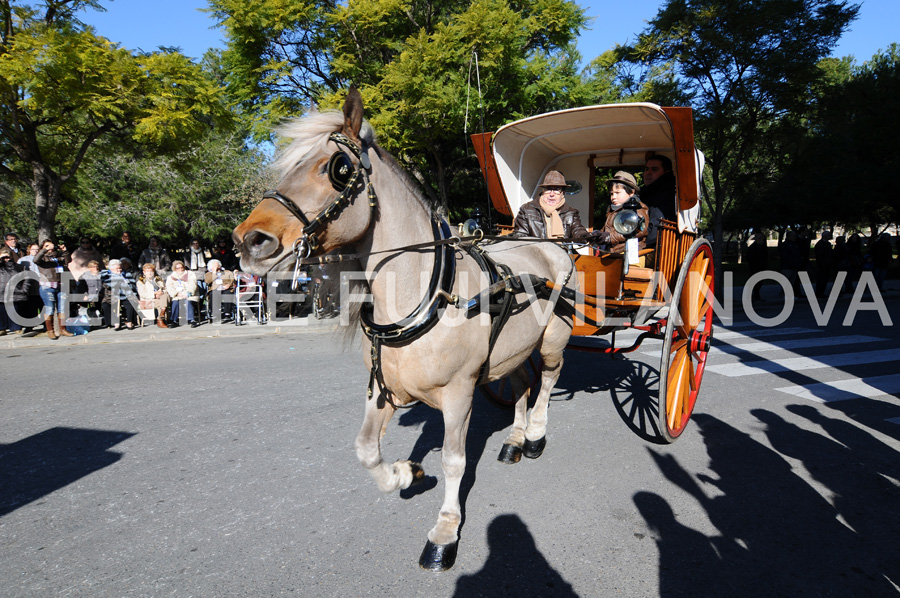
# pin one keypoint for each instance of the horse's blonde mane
(310, 134)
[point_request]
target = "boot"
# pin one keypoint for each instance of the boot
(48, 322)
(161, 323)
(62, 326)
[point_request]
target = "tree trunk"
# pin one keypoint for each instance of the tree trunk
(718, 241)
(46, 186)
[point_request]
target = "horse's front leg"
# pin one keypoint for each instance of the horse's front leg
(389, 477)
(440, 550)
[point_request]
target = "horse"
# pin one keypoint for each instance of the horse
(440, 350)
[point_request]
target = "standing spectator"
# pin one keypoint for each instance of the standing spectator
(125, 247)
(155, 254)
(841, 257)
(790, 260)
(81, 257)
(824, 263)
(51, 260)
(803, 243)
(119, 293)
(225, 255)
(10, 296)
(12, 243)
(195, 258)
(757, 261)
(152, 293)
(855, 258)
(881, 254)
(181, 285)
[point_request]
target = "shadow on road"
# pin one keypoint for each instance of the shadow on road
(514, 566)
(41, 464)
(775, 528)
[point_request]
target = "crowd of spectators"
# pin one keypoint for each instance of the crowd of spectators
(848, 257)
(48, 287)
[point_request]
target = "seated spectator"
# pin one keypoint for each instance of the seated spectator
(181, 285)
(659, 186)
(155, 254)
(622, 188)
(52, 262)
(86, 252)
(225, 255)
(118, 298)
(219, 281)
(152, 293)
(90, 289)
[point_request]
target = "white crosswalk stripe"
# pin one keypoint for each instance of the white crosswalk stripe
(801, 343)
(841, 390)
(796, 364)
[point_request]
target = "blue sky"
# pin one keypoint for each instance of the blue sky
(147, 24)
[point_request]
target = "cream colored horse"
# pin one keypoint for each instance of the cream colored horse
(441, 366)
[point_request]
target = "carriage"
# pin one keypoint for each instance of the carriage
(675, 278)
(442, 314)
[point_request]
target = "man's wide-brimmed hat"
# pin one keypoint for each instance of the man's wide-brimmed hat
(624, 178)
(554, 178)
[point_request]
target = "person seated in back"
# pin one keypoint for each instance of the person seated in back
(548, 216)
(622, 188)
(181, 285)
(152, 293)
(659, 186)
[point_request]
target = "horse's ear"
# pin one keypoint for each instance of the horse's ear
(353, 114)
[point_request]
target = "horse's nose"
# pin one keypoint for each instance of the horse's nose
(259, 245)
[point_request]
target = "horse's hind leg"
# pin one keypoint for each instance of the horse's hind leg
(389, 477)
(439, 553)
(511, 452)
(552, 345)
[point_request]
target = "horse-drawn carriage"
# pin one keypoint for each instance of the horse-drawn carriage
(675, 277)
(443, 314)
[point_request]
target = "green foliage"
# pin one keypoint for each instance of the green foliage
(749, 69)
(203, 191)
(62, 88)
(851, 148)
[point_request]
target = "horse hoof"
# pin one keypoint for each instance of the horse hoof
(510, 454)
(438, 557)
(418, 474)
(533, 448)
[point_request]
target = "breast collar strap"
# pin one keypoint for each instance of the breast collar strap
(426, 314)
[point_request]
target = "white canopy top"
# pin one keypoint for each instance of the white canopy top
(576, 140)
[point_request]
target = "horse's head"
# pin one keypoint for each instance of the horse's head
(320, 201)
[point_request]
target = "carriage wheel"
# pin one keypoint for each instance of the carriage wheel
(500, 392)
(688, 336)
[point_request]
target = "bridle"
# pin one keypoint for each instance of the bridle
(344, 177)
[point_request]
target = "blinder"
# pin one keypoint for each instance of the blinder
(340, 170)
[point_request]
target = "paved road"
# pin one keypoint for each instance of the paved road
(223, 466)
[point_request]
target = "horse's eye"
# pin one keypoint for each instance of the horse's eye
(340, 169)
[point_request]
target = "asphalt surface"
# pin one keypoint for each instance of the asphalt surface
(223, 465)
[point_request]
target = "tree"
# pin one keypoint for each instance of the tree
(63, 88)
(203, 191)
(748, 67)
